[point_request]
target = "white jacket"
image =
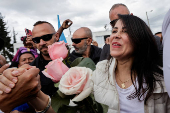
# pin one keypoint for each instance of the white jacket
(166, 46)
(105, 92)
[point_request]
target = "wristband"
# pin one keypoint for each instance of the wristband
(47, 107)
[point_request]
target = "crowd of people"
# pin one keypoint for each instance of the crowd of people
(129, 75)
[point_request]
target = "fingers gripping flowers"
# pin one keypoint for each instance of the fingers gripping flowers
(76, 81)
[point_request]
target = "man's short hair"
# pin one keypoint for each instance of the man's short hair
(42, 22)
(106, 36)
(158, 33)
(117, 5)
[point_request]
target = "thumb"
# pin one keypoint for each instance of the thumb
(4, 67)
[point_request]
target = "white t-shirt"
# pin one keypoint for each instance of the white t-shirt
(1, 111)
(129, 106)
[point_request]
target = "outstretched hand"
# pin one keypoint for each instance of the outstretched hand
(29, 43)
(67, 23)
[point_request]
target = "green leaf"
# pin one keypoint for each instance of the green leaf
(67, 61)
(101, 108)
(62, 95)
(57, 102)
(105, 108)
(84, 62)
(56, 84)
(76, 61)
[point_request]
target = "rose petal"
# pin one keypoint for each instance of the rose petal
(70, 89)
(47, 75)
(57, 50)
(84, 94)
(75, 80)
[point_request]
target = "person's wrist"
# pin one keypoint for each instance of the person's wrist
(47, 106)
(40, 102)
(62, 27)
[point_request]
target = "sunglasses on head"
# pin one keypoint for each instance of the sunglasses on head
(46, 37)
(113, 22)
(78, 40)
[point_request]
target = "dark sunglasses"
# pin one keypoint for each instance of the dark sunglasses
(113, 22)
(78, 40)
(44, 37)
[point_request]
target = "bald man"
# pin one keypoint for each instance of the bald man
(113, 15)
(82, 39)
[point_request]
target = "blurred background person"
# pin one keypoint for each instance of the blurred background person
(160, 35)
(113, 16)
(24, 56)
(95, 43)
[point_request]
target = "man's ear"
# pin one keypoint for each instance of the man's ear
(57, 36)
(89, 41)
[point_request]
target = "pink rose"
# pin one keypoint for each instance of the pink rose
(57, 50)
(76, 80)
(55, 70)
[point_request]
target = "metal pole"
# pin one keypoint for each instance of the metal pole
(70, 30)
(147, 19)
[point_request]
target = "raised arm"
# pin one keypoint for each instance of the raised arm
(67, 23)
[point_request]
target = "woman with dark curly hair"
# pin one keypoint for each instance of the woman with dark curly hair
(131, 80)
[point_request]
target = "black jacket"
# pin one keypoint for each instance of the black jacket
(105, 52)
(94, 54)
(47, 85)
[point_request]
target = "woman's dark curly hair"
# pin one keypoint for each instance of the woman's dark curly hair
(146, 63)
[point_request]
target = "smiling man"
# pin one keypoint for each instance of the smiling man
(82, 39)
(44, 35)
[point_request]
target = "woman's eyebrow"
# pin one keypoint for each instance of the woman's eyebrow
(115, 28)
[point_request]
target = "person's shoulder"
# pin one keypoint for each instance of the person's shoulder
(72, 56)
(106, 46)
(101, 65)
(99, 72)
(96, 50)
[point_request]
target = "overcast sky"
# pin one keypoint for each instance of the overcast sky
(21, 14)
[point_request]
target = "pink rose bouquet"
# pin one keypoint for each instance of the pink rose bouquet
(56, 68)
(76, 81)
(75, 87)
